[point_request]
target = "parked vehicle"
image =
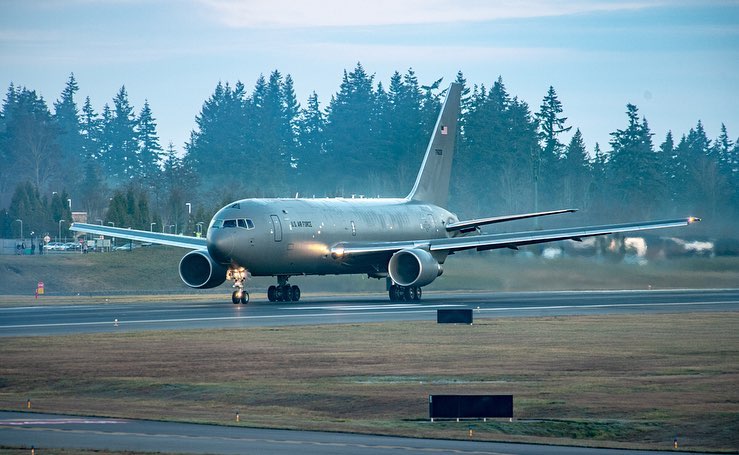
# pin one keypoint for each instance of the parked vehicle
(126, 247)
(54, 246)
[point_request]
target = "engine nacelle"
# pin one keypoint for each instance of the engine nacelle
(199, 270)
(413, 267)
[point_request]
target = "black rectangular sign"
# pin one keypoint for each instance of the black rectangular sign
(470, 406)
(463, 316)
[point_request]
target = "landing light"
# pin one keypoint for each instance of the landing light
(337, 252)
(236, 274)
(693, 219)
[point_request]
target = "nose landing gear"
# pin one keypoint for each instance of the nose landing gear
(238, 275)
(283, 292)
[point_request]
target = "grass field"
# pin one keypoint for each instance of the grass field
(626, 381)
(154, 269)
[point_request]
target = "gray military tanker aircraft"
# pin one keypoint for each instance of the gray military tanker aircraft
(405, 240)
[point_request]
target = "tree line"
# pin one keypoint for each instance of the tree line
(368, 140)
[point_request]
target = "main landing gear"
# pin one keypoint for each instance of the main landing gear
(238, 275)
(404, 293)
(283, 292)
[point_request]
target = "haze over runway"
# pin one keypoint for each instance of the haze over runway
(83, 318)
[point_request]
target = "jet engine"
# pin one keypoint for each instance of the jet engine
(413, 267)
(199, 270)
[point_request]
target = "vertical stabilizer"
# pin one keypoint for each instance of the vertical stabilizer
(432, 183)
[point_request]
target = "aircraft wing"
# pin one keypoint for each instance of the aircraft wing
(471, 225)
(194, 243)
(507, 240)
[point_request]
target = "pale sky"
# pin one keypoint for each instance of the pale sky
(678, 61)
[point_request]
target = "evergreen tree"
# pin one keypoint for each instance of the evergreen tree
(90, 131)
(312, 156)
(601, 201)
(122, 158)
(547, 170)
(67, 118)
(31, 140)
(350, 140)
(635, 176)
(576, 173)
(150, 152)
(405, 135)
(223, 139)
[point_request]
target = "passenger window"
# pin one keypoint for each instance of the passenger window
(242, 223)
(229, 223)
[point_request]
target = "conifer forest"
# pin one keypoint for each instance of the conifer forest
(365, 140)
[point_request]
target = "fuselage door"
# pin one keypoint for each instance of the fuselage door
(276, 228)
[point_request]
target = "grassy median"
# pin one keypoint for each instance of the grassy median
(626, 380)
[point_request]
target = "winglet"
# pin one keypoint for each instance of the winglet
(432, 182)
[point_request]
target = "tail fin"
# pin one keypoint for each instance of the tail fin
(432, 183)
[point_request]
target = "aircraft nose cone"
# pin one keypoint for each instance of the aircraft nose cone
(221, 245)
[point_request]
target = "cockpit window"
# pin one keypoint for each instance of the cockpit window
(244, 223)
(236, 206)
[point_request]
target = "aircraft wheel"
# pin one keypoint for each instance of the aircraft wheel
(279, 296)
(295, 293)
(285, 295)
(235, 298)
(419, 292)
(396, 293)
(244, 297)
(409, 293)
(272, 293)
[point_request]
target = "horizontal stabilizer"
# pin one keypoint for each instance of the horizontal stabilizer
(160, 238)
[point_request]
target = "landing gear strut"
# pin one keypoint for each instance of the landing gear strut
(238, 275)
(283, 292)
(404, 293)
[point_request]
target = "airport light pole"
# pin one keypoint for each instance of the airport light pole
(59, 238)
(189, 212)
(69, 200)
(151, 227)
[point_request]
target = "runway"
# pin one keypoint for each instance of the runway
(26, 429)
(56, 431)
(48, 320)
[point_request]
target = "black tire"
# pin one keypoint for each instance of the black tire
(286, 293)
(235, 298)
(419, 293)
(244, 297)
(295, 293)
(272, 293)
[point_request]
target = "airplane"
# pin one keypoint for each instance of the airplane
(404, 240)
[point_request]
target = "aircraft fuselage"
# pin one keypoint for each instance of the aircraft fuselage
(294, 236)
